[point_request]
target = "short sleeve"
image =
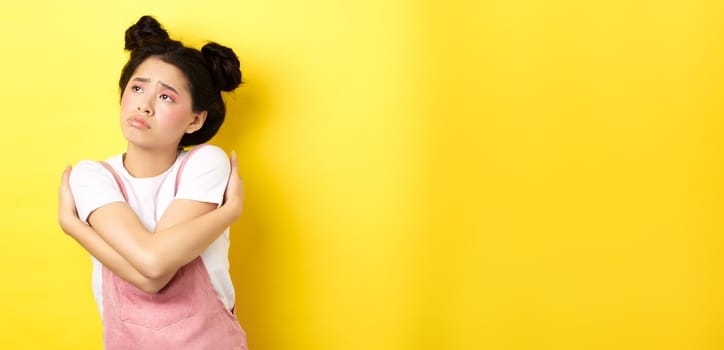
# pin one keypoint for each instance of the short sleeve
(93, 186)
(205, 175)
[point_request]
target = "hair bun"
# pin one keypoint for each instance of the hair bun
(223, 65)
(147, 29)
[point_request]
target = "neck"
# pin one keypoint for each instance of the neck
(141, 162)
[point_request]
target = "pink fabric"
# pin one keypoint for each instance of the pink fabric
(185, 314)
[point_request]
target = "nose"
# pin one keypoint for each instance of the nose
(145, 107)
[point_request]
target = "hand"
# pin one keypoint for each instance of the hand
(234, 195)
(67, 213)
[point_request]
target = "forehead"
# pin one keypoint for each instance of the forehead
(156, 70)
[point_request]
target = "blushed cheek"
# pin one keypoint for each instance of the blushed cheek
(175, 116)
(126, 103)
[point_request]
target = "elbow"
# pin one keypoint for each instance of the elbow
(151, 287)
(156, 270)
(153, 268)
(156, 277)
(154, 286)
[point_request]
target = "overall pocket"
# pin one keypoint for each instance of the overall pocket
(170, 305)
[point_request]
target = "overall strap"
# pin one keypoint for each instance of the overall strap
(117, 178)
(183, 164)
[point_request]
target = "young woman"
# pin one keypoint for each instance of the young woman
(155, 219)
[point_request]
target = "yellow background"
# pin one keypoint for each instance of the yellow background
(501, 174)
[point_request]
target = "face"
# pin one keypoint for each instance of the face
(156, 106)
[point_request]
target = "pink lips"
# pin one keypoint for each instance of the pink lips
(138, 122)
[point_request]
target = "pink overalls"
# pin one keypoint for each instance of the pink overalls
(185, 314)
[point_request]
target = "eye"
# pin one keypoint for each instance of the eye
(136, 88)
(166, 98)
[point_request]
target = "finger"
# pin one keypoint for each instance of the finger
(234, 163)
(66, 176)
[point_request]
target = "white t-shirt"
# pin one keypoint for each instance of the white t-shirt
(203, 179)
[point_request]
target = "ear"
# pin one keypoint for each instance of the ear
(197, 122)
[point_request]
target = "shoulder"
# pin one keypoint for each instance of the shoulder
(204, 176)
(207, 151)
(93, 186)
(93, 173)
(87, 169)
(207, 157)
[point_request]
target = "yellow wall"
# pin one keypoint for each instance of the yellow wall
(503, 174)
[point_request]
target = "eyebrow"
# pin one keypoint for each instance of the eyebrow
(146, 80)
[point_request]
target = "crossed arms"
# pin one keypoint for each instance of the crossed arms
(117, 238)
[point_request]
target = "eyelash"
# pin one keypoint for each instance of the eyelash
(165, 97)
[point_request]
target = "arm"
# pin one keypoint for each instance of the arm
(154, 255)
(95, 245)
(174, 244)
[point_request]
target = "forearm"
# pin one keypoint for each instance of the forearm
(96, 246)
(155, 255)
